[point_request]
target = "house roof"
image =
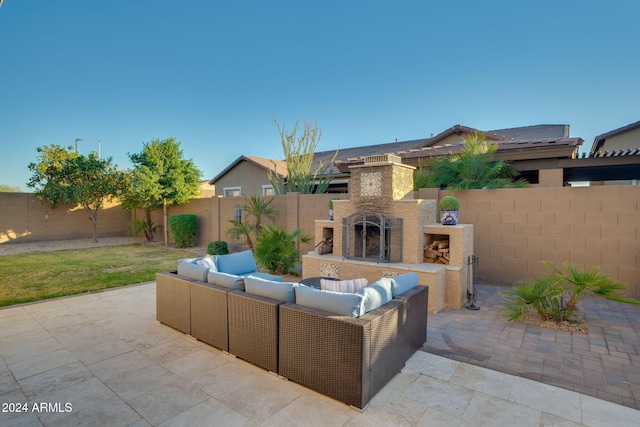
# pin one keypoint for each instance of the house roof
(521, 133)
(511, 149)
(278, 166)
(599, 140)
(545, 139)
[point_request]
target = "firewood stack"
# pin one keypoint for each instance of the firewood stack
(437, 252)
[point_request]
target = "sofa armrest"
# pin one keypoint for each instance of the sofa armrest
(209, 314)
(416, 302)
(253, 329)
(173, 302)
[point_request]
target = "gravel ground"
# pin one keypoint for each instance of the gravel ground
(58, 245)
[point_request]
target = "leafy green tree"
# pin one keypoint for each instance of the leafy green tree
(298, 155)
(63, 176)
(473, 168)
(160, 178)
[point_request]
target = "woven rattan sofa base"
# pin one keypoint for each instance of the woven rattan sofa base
(253, 329)
(351, 359)
(195, 308)
(209, 319)
(173, 301)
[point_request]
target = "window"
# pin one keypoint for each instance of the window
(232, 191)
(267, 190)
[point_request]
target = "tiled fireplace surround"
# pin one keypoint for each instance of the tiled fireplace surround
(384, 186)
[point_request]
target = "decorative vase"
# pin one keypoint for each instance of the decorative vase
(449, 217)
(330, 214)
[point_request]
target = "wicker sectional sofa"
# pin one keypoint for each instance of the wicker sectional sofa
(347, 358)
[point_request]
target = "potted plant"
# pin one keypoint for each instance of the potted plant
(449, 209)
(331, 207)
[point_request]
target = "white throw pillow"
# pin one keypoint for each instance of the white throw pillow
(345, 286)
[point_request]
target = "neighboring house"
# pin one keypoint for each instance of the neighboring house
(246, 176)
(615, 157)
(624, 138)
(206, 189)
(545, 155)
(533, 150)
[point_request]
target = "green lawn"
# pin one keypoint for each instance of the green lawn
(42, 275)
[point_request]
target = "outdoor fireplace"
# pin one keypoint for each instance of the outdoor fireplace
(382, 231)
(369, 236)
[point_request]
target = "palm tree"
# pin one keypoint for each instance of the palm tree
(474, 167)
(276, 249)
(259, 208)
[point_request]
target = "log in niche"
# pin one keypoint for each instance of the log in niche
(437, 252)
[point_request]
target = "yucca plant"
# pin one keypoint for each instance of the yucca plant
(137, 227)
(276, 249)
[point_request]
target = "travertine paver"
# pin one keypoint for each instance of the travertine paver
(149, 374)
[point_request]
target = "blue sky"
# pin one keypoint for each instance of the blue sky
(213, 74)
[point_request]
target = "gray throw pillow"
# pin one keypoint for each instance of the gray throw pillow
(226, 280)
(192, 271)
(334, 302)
(280, 291)
(403, 283)
(377, 294)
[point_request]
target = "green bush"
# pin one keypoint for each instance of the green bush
(555, 296)
(276, 249)
(449, 203)
(218, 247)
(183, 228)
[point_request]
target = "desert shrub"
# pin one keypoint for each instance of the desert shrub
(276, 249)
(555, 296)
(218, 247)
(183, 228)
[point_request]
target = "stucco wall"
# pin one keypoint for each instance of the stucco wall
(24, 219)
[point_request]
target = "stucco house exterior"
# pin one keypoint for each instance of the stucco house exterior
(246, 176)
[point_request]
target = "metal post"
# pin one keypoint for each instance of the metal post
(472, 263)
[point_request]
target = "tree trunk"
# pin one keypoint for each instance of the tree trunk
(148, 229)
(93, 217)
(166, 220)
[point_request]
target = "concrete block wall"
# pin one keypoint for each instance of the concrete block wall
(516, 229)
(23, 218)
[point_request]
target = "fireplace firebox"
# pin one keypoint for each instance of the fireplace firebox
(369, 236)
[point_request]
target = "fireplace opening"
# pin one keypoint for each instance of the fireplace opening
(369, 236)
